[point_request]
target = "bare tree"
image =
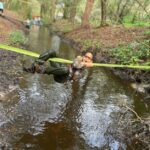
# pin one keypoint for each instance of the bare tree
(87, 12)
(67, 9)
(48, 10)
(103, 12)
(73, 10)
(53, 8)
(122, 11)
(143, 6)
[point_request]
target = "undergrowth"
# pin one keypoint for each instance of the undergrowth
(17, 38)
(134, 53)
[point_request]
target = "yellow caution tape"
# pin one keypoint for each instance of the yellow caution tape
(33, 54)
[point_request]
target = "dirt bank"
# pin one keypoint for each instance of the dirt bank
(9, 22)
(108, 36)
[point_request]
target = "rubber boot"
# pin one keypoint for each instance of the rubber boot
(48, 54)
(37, 66)
(45, 56)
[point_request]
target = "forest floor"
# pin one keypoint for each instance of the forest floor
(107, 36)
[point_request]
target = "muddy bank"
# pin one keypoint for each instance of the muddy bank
(10, 70)
(10, 62)
(9, 22)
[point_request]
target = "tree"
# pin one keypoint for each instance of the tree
(103, 12)
(87, 12)
(48, 11)
(73, 10)
(67, 9)
(53, 8)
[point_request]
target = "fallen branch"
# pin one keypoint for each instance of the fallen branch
(128, 108)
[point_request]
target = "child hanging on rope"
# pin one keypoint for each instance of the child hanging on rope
(61, 72)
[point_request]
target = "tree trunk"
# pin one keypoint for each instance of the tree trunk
(53, 8)
(48, 11)
(121, 14)
(45, 13)
(118, 10)
(67, 9)
(103, 12)
(87, 12)
(73, 10)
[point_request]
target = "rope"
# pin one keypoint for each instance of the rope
(33, 54)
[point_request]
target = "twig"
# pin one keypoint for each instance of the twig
(134, 113)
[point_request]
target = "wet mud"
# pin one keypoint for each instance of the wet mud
(10, 72)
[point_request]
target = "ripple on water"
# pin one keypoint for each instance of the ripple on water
(100, 105)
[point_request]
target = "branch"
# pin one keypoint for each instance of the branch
(134, 113)
(143, 7)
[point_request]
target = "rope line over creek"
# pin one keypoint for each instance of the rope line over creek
(61, 60)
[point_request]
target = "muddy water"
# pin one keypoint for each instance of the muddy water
(44, 115)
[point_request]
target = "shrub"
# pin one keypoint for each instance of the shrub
(133, 53)
(147, 32)
(17, 38)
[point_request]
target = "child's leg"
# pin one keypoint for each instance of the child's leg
(48, 54)
(42, 66)
(54, 68)
(39, 64)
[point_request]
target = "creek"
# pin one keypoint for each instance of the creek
(42, 114)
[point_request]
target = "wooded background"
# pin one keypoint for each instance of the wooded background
(85, 12)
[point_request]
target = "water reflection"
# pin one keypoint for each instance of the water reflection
(41, 40)
(95, 113)
(54, 136)
(55, 43)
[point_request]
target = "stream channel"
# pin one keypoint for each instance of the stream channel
(45, 115)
